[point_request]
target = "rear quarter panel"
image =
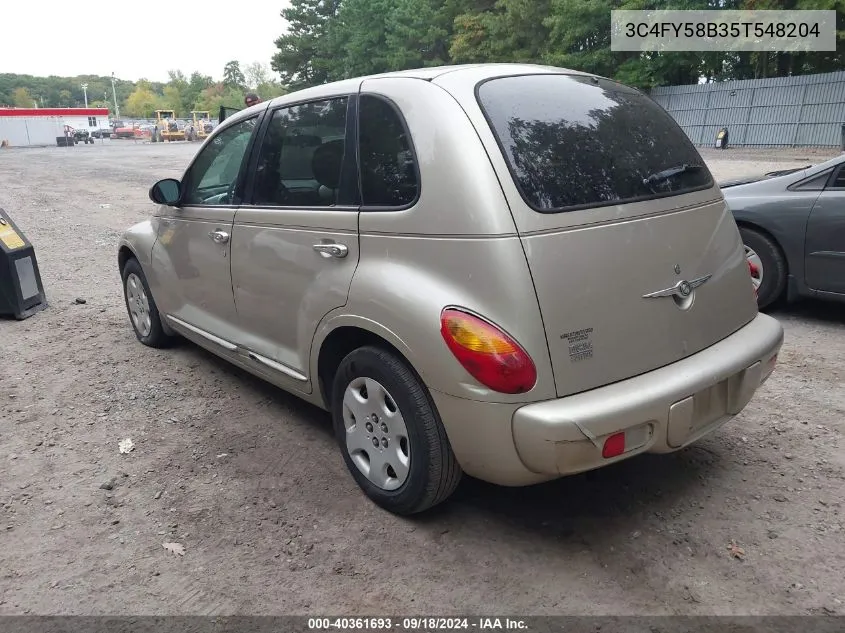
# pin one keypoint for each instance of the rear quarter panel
(405, 294)
(770, 208)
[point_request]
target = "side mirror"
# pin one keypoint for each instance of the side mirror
(167, 191)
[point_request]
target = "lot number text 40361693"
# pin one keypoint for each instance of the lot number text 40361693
(416, 624)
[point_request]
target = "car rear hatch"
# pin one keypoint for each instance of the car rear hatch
(636, 260)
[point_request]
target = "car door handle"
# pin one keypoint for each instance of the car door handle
(332, 250)
(221, 237)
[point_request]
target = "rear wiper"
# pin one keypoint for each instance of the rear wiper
(669, 173)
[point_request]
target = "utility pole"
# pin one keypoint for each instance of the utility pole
(114, 94)
(85, 92)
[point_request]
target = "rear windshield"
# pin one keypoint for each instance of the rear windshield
(573, 142)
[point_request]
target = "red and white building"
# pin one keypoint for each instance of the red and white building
(23, 127)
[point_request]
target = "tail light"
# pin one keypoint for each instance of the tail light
(490, 356)
(755, 273)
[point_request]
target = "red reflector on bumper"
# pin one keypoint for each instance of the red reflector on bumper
(614, 445)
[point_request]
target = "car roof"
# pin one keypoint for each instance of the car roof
(425, 74)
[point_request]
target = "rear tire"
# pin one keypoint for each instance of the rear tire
(773, 263)
(142, 309)
(411, 466)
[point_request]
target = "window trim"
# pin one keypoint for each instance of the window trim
(834, 174)
(395, 107)
(241, 177)
(591, 205)
(826, 173)
(261, 133)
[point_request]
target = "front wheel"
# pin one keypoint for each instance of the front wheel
(390, 433)
(143, 312)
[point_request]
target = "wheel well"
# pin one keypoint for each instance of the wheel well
(337, 346)
(123, 256)
(753, 227)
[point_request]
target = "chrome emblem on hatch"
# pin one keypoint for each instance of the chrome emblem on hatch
(682, 289)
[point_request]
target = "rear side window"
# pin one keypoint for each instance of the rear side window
(571, 142)
(816, 183)
(388, 166)
(301, 158)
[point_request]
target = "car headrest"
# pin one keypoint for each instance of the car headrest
(326, 163)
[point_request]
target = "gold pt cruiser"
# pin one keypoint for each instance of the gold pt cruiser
(516, 272)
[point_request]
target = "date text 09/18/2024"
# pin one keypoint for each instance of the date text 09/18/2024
(416, 624)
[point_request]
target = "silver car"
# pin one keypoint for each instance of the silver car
(515, 272)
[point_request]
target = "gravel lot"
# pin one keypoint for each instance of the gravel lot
(250, 481)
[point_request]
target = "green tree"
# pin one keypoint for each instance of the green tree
(255, 74)
(304, 53)
(195, 85)
(233, 77)
(373, 36)
(417, 34)
(219, 94)
(22, 98)
(176, 93)
(356, 40)
(172, 100)
(507, 31)
(270, 90)
(579, 36)
(143, 101)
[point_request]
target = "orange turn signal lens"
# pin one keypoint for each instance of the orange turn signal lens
(487, 353)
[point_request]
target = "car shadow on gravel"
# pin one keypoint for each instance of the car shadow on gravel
(288, 404)
(651, 484)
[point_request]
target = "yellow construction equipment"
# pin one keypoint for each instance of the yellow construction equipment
(202, 124)
(168, 130)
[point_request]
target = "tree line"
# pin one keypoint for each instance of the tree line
(139, 99)
(329, 40)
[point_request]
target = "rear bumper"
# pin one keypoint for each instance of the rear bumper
(661, 411)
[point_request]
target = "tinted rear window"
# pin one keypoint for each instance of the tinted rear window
(572, 143)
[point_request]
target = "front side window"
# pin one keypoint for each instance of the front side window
(388, 165)
(301, 158)
(214, 174)
(573, 142)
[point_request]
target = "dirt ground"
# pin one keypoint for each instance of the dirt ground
(250, 481)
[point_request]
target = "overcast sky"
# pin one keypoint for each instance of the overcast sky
(47, 37)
